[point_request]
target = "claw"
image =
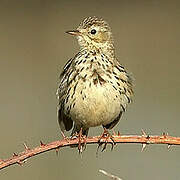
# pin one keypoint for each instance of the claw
(104, 147)
(79, 141)
(99, 145)
(82, 140)
(169, 145)
(114, 133)
(106, 135)
(85, 142)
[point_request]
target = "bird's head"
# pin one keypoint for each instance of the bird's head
(94, 34)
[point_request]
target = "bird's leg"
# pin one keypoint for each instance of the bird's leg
(106, 136)
(81, 140)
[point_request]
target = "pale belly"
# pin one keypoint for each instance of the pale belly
(95, 105)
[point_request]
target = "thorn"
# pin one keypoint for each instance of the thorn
(143, 133)
(119, 133)
(143, 146)
(42, 144)
(24, 161)
(14, 154)
(1, 161)
(165, 134)
(169, 145)
(57, 150)
(114, 133)
(26, 147)
(20, 162)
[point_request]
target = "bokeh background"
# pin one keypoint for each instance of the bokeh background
(33, 50)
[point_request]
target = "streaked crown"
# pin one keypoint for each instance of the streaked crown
(94, 34)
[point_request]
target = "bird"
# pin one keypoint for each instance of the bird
(94, 89)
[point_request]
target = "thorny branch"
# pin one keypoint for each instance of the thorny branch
(115, 138)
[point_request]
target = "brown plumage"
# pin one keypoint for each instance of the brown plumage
(94, 88)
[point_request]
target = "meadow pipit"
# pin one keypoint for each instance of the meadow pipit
(94, 88)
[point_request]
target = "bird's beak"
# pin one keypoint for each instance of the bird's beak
(74, 32)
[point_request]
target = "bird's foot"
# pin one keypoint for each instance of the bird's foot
(82, 139)
(106, 138)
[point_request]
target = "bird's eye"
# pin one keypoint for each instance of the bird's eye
(93, 31)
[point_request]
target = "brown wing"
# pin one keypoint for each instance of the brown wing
(112, 124)
(126, 81)
(65, 122)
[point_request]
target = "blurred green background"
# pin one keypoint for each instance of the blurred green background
(33, 50)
